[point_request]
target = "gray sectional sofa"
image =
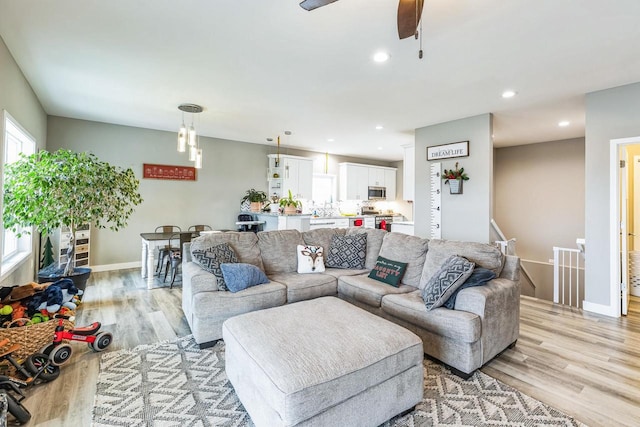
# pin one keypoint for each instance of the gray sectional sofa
(484, 322)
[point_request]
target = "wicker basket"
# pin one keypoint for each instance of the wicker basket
(31, 337)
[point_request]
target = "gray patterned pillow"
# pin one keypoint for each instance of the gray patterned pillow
(453, 273)
(211, 258)
(347, 251)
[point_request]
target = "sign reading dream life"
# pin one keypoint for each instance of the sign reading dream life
(448, 151)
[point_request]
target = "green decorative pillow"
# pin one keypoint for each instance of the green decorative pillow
(388, 271)
(453, 273)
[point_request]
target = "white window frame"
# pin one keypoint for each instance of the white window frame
(24, 244)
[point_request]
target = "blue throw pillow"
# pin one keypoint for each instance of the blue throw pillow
(239, 276)
(480, 276)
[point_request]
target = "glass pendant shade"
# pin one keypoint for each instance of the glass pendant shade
(198, 161)
(192, 136)
(193, 151)
(182, 139)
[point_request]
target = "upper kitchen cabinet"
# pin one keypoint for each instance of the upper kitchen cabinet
(291, 173)
(408, 173)
(355, 180)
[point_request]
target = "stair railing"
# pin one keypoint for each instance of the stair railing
(566, 276)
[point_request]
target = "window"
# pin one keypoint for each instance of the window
(16, 141)
(324, 188)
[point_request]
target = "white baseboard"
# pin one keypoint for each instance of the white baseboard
(111, 267)
(606, 310)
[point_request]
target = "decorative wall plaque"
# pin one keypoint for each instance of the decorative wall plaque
(448, 151)
(180, 173)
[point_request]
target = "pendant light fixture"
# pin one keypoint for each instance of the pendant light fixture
(189, 137)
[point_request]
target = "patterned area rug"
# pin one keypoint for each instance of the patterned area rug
(177, 384)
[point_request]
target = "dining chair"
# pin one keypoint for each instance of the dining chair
(199, 228)
(163, 252)
(174, 257)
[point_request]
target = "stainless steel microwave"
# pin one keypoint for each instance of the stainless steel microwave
(377, 193)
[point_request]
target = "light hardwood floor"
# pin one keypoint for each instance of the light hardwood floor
(585, 365)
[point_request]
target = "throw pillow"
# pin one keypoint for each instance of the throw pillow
(388, 271)
(310, 259)
(453, 273)
(479, 277)
(241, 276)
(211, 258)
(347, 251)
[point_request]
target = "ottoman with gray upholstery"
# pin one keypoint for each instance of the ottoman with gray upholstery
(322, 362)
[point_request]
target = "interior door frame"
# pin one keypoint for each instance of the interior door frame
(615, 298)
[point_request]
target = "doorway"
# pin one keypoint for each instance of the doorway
(622, 226)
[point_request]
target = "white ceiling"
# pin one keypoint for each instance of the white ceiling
(261, 67)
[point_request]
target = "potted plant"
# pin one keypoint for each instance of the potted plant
(255, 198)
(289, 204)
(455, 177)
(67, 189)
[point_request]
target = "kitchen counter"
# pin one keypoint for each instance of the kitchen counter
(305, 222)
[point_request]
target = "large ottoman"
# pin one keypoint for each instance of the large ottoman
(322, 362)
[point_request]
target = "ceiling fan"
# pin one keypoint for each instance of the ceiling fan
(409, 13)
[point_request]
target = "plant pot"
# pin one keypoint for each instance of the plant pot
(290, 210)
(256, 206)
(455, 186)
(79, 277)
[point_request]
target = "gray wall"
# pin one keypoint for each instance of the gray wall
(229, 169)
(610, 114)
(537, 208)
(466, 216)
(17, 97)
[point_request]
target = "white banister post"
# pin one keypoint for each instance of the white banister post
(556, 279)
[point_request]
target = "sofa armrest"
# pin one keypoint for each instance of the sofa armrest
(195, 279)
(498, 305)
(511, 268)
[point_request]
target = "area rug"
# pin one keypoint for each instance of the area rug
(177, 384)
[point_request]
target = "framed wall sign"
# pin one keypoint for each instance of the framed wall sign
(448, 151)
(180, 173)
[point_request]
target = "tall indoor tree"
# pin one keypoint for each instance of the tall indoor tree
(48, 190)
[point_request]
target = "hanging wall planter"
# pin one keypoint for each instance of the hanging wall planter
(455, 186)
(455, 178)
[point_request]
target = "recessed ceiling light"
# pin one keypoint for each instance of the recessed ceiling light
(508, 94)
(330, 140)
(379, 148)
(379, 127)
(564, 123)
(381, 56)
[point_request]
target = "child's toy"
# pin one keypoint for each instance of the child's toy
(59, 352)
(36, 367)
(15, 408)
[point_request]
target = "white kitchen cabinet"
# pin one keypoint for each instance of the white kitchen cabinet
(404, 227)
(408, 173)
(390, 183)
(376, 177)
(293, 173)
(354, 181)
(315, 223)
(369, 222)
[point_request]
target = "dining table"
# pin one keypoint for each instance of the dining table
(151, 242)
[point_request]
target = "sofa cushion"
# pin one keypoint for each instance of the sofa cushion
(278, 249)
(306, 286)
(481, 254)
(322, 236)
(374, 242)
(211, 258)
(347, 251)
(241, 276)
(339, 272)
(310, 259)
(453, 273)
(458, 325)
(409, 249)
(388, 271)
(245, 245)
(366, 290)
(479, 277)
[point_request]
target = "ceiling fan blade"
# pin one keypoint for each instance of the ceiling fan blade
(314, 4)
(409, 13)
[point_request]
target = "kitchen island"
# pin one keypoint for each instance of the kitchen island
(305, 222)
